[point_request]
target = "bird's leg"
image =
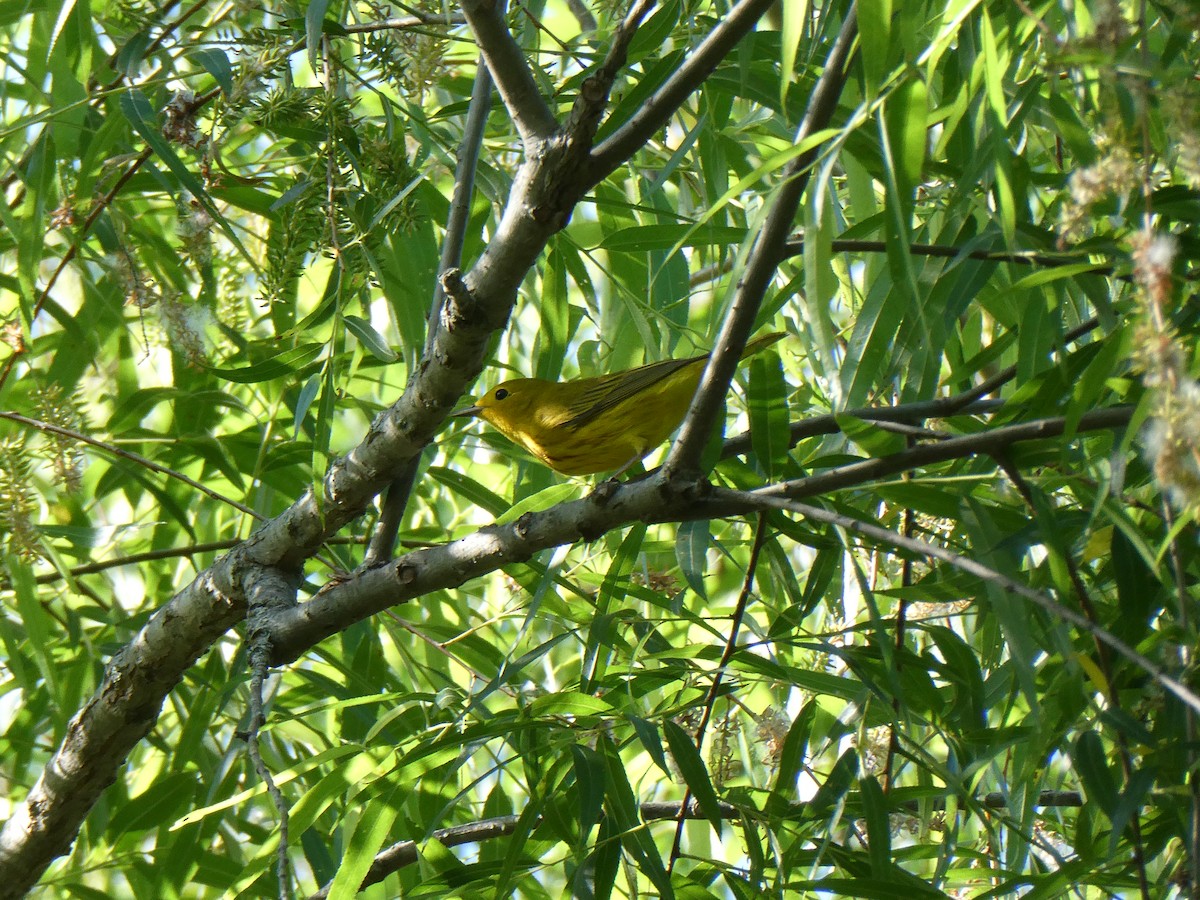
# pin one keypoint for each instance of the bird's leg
(627, 465)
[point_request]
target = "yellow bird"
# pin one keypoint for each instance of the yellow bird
(598, 424)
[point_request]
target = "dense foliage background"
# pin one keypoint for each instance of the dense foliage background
(961, 670)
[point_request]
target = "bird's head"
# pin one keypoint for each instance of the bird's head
(508, 405)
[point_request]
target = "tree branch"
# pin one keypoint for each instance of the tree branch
(119, 714)
(406, 853)
(661, 105)
(970, 566)
(415, 19)
(988, 442)
(266, 590)
(795, 247)
(683, 461)
(547, 185)
(615, 505)
(523, 99)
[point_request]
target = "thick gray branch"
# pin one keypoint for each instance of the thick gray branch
(510, 70)
(611, 506)
(120, 713)
(549, 183)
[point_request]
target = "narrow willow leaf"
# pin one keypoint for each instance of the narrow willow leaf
(879, 829)
(767, 399)
(691, 552)
(216, 63)
(874, 32)
(589, 782)
(308, 393)
(1089, 760)
(695, 773)
(611, 589)
(869, 436)
(622, 808)
(374, 342)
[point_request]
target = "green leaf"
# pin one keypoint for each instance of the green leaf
(691, 552)
(795, 20)
(687, 758)
(670, 237)
(35, 619)
(836, 785)
(1091, 762)
(470, 489)
(568, 703)
(870, 436)
(217, 64)
(594, 880)
(769, 420)
(542, 500)
(589, 781)
(647, 734)
(791, 761)
(286, 362)
(616, 580)
(621, 807)
(308, 393)
(372, 340)
(874, 34)
(879, 827)
(314, 28)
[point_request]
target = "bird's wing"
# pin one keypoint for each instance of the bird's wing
(610, 390)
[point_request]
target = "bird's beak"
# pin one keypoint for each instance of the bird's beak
(466, 411)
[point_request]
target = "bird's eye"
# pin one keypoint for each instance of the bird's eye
(501, 393)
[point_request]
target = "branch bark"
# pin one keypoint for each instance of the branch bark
(552, 178)
(118, 715)
(405, 853)
(510, 70)
(684, 459)
(611, 506)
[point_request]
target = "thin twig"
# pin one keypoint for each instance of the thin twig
(663, 103)
(989, 442)
(101, 205)
(714, 689)
(134, 559)
(47, 428)
(267, 589)
(416, 19)
(971, 567)
(258, 669)
(795, 247)
(405, 853)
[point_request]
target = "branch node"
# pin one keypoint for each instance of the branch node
(456, 288)
(604, 492)
(521, 526)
